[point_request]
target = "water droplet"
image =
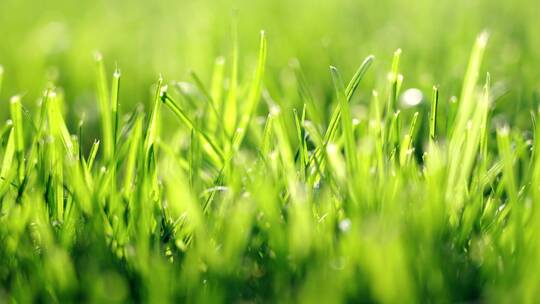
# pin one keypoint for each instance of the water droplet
(411, 98)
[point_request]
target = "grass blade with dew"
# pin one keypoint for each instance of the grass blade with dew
(114, 103)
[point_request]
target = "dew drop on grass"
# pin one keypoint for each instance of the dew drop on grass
(345, 225)
(411, 98)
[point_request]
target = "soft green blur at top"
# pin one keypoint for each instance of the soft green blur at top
(55, 40)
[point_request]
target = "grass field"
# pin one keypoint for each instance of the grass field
(276, 151)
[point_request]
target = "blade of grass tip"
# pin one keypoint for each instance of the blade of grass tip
(152, 131)
(484, 124)
(92, 155)
(114, 103)
(314, 134)
(394, 82)
(465, 135)
(349, 92)
(406, 145)
(56, 155)
(346, 120)
(335, 118)
(433, 116)
(179, 112)
(6, 128)
(467, 104)
(58, 125)
(255, 90)
(104, 107)
(230, 111)
(9, 154)
(18, 129)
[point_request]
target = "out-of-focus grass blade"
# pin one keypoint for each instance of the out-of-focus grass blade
(349, 92)
(346, 121)
(171, 104)
(433, 114)
(406, 148)
(230, 111)
(254, 93)
(131, 162)
(104, 107)
(153, 124)
(395, 81)
(336, 115)
(9, 154)
(18, 129)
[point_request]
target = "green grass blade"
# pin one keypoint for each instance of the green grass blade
(255, 91)
(433, 115)
(346, 121)
(114, 103)
(104, 108)
(230, 111)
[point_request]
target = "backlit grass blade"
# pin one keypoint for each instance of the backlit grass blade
(406, 146)
(179, 112)
(433, 113)
(104, 108)
(114, 105)
(9, 155)
(230, 108)
(18, 129)
(466, 134)
(349, 92)
(346, 121)
(466, 103)
(131, 162)
(395, 81)
(336, 115)
(153, 123)
(267, 136)
(254, 93)
(503, 143)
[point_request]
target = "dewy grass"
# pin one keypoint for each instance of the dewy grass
(248, 195)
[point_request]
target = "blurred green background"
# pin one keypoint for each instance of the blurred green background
(56, 39)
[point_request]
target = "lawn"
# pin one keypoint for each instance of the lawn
(269, 151)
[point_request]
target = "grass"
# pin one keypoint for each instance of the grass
(221, 191)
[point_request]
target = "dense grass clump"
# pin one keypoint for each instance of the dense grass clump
(217, 192)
